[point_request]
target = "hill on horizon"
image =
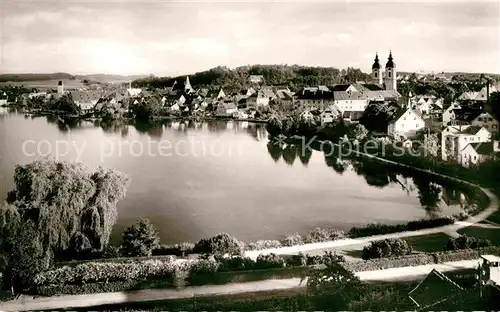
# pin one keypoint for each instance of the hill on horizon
(102, 78)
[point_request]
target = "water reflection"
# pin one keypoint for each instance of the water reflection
(274, 151)
(431, 194)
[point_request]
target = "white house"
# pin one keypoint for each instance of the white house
(3, 99)
(350, 101)
(329, 115)
(226, 109)
(132, 92)
(86, 100)
(487, 121)
(261, 98)
(455, 138)
(449, 114)
(307, 116)
(240, 115)
(476, 153)
(221, 94)
(405, 124)
(175, 107)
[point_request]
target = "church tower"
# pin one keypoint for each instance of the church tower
(390, 74)
(376, 73)
(187, 85)
(60, 87)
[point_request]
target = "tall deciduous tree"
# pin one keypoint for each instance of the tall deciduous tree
(140, 239)
(334, 286)
(66, 200)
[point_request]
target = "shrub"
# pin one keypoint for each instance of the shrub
(466, 242)
(264, 244)
(220, 245)
(386, 248)
(296, 260)
(140, 239)
(270, 261)
(314, 260)
(293, 240)
(95, 272)
(111, 252)
(318, 235)
(387, 263)
(205, 266)
(179, 250)
(236, 264)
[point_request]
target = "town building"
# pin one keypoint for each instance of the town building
(60, 87)
(86, 100)
(487, 121)
(388, 78)
(476, 153)
(455, 138)
(405, 124)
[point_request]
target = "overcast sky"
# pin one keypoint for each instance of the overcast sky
(130, 37)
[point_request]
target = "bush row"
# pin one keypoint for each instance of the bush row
(97, 272)
(380, 229)
(109, 277)
(420, 259)
(92, 272)
(102, 287)
(224, 243)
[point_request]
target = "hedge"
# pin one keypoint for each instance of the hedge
(179, 250)
(421, 259)
(381, 229)
(389, 263)
(95, 272)
(103, 287)
(112, 277)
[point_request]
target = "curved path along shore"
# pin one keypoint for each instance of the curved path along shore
(358, 243)
(394, 274)
(92, 300)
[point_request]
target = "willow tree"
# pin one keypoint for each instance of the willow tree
(66, 202)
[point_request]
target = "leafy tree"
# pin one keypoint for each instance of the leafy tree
(386, 248)
(62, 199)
(63, 104)
(493, 105)
(466, 242)
(333, 287)
(220, 245)
(140, 239)
(147, 109)
(79, 244)
(111, 252)
(357, 132)
(377, 116)
(429, 195)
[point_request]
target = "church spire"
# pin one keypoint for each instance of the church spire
(390, 62)
(376, 64)
(187, 85)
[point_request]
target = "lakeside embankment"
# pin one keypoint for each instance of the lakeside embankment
(82, 301)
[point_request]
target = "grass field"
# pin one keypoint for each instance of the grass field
(493, 235)
(495, 217)
(43, 84)
(428, 243)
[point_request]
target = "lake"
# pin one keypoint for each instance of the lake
(196, 179)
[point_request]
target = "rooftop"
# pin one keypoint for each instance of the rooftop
(491, 258)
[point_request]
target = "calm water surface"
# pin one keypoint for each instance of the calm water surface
(228, 181)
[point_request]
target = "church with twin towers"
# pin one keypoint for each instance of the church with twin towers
(387, 79)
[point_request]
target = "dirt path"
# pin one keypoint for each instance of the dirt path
(81, 301)
(358, 243)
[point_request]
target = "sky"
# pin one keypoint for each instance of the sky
(174, 38)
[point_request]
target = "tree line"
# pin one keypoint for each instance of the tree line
(292, 76)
